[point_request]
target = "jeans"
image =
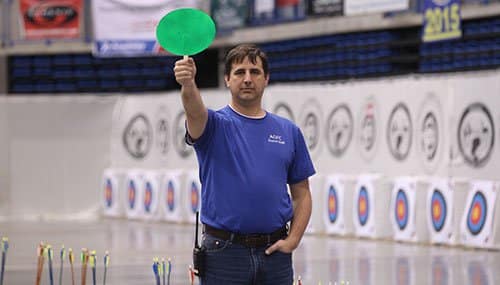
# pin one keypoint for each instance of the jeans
(230, 263)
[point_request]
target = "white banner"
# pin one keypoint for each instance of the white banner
(353, 7)
(127, 27)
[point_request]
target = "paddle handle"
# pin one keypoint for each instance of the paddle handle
(185, 57)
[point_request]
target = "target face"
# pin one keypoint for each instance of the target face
(367, 130)
(170, 196)
(363, 206)
(339, 130)
(283, 110)
(108, 193)
(148, 193)
(195, 197)
(399, 132)
(401, 210)
(132, 193)
(476, 135)
(333, 205)
(438, 210)
(476, 216)
(179, 136)
(310, 122)
(430, 136)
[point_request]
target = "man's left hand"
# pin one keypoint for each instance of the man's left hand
(284, 245)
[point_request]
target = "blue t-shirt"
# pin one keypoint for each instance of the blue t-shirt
(245, 165)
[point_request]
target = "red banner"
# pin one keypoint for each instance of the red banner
(283, 3)
(51, 19)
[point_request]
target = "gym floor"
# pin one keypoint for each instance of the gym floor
(318, 260)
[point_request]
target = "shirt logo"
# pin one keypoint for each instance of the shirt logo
(275, 139)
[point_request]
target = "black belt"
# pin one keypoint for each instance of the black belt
(251, 240)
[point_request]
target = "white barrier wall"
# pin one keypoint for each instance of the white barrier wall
(53, 150)
(57, 149)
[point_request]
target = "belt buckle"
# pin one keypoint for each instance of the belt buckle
(253, 240)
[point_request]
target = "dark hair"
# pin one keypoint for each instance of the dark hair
(240, 52)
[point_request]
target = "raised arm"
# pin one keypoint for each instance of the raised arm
(196, 112)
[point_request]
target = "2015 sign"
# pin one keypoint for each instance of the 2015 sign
(441, 20)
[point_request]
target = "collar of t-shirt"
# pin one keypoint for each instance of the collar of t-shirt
(246, 116)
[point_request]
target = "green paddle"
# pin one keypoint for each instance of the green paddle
(185, 31)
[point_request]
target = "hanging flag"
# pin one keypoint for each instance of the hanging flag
(442, 20)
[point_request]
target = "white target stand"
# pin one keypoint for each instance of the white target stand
(442, 223)
(408, 223)
(315, 223)
(479, 223)
(371, 199)
(133, 186)
(151, 195)
(170, 196)
(191, 196)
(111, 185)
(337, 205)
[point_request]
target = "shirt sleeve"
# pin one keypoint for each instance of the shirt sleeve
(301, 167)
(207, 132)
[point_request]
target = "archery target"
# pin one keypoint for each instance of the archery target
(339, 129)
(134, 184)
(440, 208)
(401, 209)
(476, 134)
(429, 133)
(477, 223)
(399, 132)
(334, 213)
(111, 194)
(310, 122)
(403, 203)
(151, 195)
(171, 196)
(367, 129)
(193, 197)
(364, 207)
(333, 204)
(476, 217)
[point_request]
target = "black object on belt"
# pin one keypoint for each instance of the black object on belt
(250, 240)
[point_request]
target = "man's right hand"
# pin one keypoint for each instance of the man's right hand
(185, 72)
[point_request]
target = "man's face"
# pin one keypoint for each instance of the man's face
(247, 81)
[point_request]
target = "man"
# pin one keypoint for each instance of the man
(246, 158)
